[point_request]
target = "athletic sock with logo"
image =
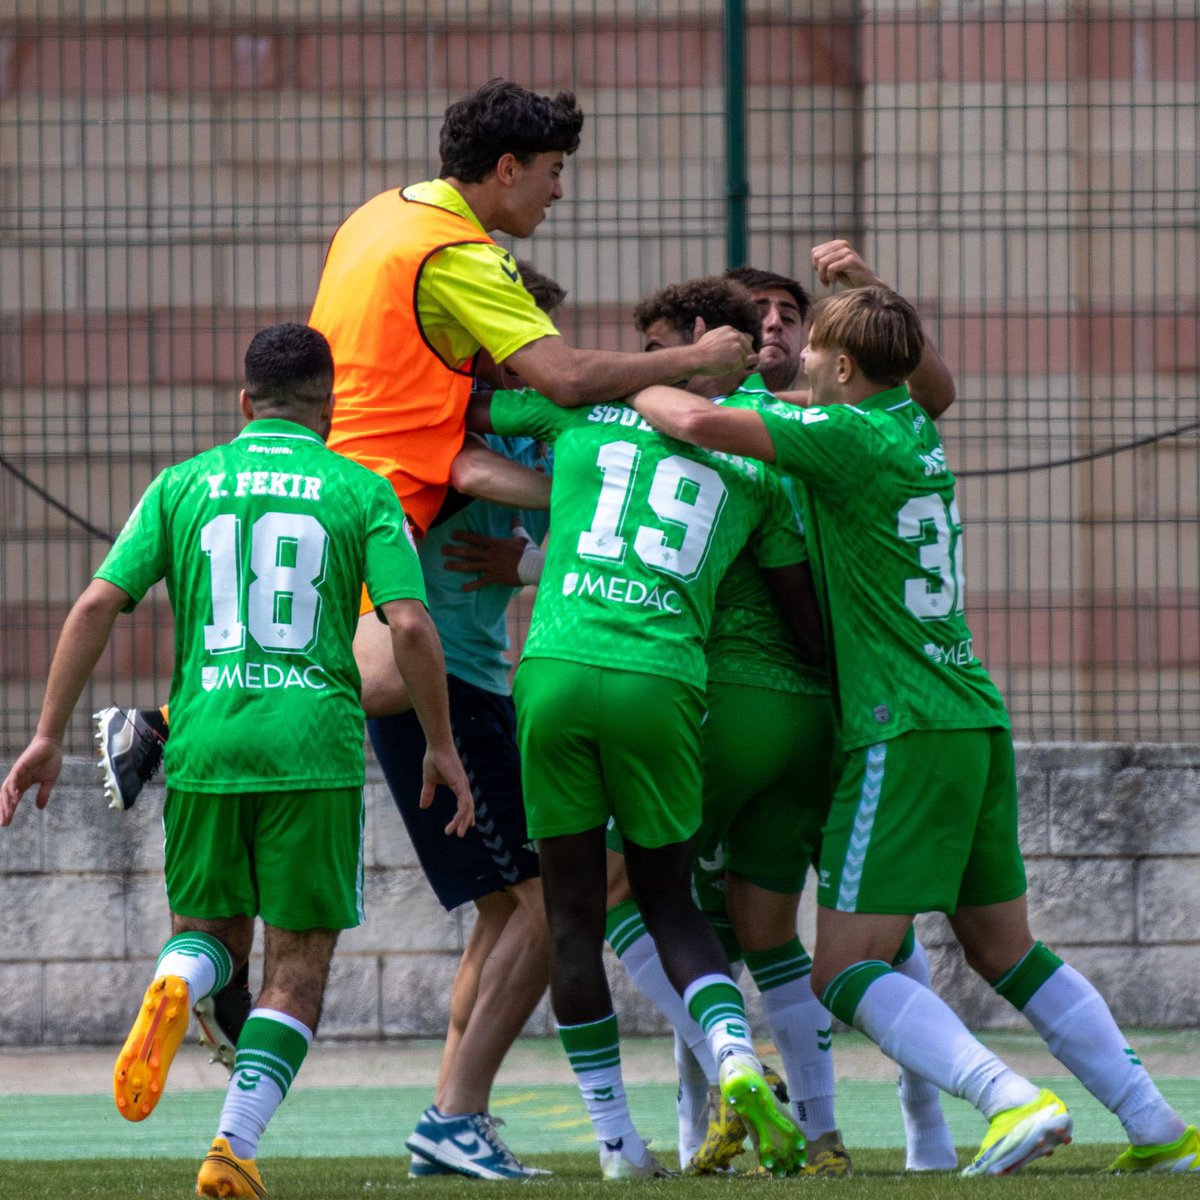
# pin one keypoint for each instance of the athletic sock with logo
(929, 1145)
(691, 1101)
(921, 1032)
(594, 1052)
(802, 1030)
(626, 933)
(1080, 1032)
(717, 1006)
(199, 959)
(270, 1051)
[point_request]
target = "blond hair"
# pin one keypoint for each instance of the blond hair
(874, 326)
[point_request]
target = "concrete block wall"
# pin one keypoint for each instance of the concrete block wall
(1111, 835)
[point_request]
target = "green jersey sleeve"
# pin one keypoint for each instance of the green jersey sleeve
(138, 558)
(527, 413)
(391, 566)
(833, 448)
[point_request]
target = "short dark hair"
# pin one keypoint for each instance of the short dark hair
(767, 281)
(288, 365)
(717, 300)
(546, 293)
(504, 118)
(877, 328)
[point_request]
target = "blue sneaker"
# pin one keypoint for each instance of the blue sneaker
(422, 1168)
(468, 1145)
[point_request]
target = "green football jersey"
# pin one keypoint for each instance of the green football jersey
(641, 530)
(265, 544)
(885, 543)
(749, 642)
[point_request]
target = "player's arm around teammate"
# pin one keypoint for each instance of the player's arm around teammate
(925, 813)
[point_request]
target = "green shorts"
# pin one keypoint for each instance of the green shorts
(768, 781)
(925, 822)
(293, 858)
(600, 742)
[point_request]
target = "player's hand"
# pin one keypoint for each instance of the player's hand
(445, 767)
(491, 559)
(838, 262)
(722, 351)
(40, 763)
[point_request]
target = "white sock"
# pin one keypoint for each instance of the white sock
(1080, 1032)
(198, 959)
(644, 967)
(801, 1028)
(716, 1002)
(922, 1033)
(594, 1052)
(928, 1143)
(691, 1102)
(270, 1051)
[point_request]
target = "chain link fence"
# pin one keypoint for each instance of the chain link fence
(1027, 174)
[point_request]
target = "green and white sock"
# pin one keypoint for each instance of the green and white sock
(802, 1030)
(270, 1051)
(717, 1006)
(626, 933)
(1080, 1032)
(922, 1032)
(594, 1052)
(199, 959)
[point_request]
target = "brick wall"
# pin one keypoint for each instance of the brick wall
(1111, 835)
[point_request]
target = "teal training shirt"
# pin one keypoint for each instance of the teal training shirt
(473, 626)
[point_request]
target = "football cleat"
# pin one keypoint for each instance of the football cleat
(630, 1158)
(146, 1057)
(469, 1145)
(776, 1137)
(724, 1141)
(220, 1017)
(1181, 1157)
(131, 751)
(1017, 1136)
(223, 1174)
(827, 1158)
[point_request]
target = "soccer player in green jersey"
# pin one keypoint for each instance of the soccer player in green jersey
(768, 747)
(609, 705)
(924, 816)
(264, 544)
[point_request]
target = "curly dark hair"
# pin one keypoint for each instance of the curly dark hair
(504, 118)
(767, 281)
(717, 300)
(288, 364)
